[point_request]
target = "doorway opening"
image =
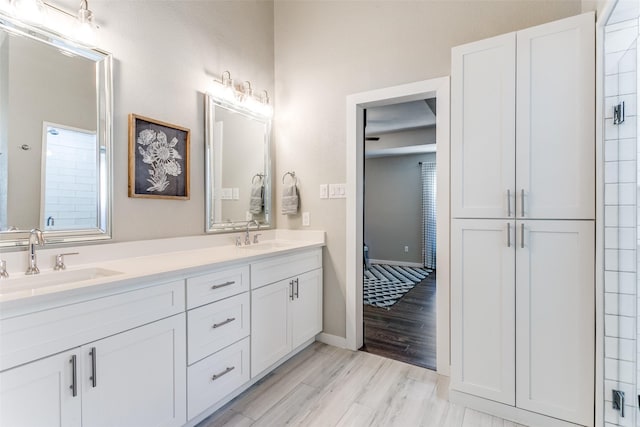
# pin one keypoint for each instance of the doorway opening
(399, 282)
(357, 104)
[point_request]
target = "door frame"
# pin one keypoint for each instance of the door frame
(356, 104)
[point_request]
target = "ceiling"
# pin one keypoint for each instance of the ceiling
(399, 117)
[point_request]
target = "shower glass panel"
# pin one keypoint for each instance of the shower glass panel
(620, 217)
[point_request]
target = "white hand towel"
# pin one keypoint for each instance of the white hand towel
(290, 199)
(256, 202)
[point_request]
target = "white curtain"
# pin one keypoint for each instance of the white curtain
(429, 214)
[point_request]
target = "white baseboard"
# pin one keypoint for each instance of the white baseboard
(507, 412)
(333, 340)
(400, 263)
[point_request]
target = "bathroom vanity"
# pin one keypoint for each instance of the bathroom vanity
(158, 340)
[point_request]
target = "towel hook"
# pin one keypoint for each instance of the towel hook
(260, 176)
(293, 176)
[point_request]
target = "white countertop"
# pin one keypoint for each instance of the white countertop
(138, 262)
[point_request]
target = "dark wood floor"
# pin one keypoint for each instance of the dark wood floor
(407, 331)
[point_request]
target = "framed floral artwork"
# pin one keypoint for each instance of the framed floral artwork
(158, 159)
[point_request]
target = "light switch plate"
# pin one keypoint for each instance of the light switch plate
(324, 191)
(333, 191)
(305, 219)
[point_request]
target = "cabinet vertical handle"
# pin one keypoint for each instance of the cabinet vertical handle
(508, 235)
(522, 236)
(291, 290)
(522, 202)
(94, 374)
(297, 289)
(74, 376)
(509, 202)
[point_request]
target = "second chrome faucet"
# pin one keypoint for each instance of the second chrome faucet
(35, 239)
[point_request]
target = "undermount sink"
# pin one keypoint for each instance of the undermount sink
(267, 246)
(53, 278)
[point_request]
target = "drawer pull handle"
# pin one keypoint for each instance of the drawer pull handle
(296, 282)
(223, 373)
(74, 376)
(229, 320)
(223, 285)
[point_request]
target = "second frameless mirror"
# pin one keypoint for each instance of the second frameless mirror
(238, 169)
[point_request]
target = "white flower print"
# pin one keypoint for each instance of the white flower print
(161, 155)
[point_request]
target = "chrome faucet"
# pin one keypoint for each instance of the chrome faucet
(35, 238)
(247, 240)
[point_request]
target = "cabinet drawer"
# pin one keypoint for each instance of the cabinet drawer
(217, 285)
(35, 335)
(215, 326)
(216, 376)
(280, 268)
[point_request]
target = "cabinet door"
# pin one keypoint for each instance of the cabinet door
(555, 318)
(483, 128)
(306, 307)
(140, 377)
(270, 327)
(555, 120)
(482, 308)
(39, 393)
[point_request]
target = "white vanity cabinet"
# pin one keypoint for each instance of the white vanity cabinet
(218, 328)
(286, 311)
(133, 377)
(39, 393)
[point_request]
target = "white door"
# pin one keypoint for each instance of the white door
(137, 378)
(306, 307)
(482, 308)
(555, 120)
(555, 319)
(483, 88)
(270, 326)
(41, 393)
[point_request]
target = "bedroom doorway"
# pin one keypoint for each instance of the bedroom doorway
(437, 88)
(399, 286)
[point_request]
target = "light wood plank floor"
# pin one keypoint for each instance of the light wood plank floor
(328, 386)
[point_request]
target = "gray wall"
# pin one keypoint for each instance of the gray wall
(328, 50)
(393, 207)
(166, 53)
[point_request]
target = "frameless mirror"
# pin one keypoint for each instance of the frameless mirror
(238, 169)
(55, 137)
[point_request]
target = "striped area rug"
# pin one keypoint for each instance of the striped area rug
(385, 284)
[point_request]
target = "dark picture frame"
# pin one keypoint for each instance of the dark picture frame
(159, 164)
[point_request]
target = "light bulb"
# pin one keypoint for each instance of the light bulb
(86, 30)
(32, 11)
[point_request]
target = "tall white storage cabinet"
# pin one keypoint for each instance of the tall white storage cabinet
(523, 208)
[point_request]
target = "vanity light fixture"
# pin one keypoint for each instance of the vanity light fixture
(46, 15)
(242, 95)
(85, 27)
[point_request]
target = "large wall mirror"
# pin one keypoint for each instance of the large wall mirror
(238, 167)
(55, 137)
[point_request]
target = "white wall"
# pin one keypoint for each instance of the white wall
(328, 50)
(4, 111)
(164, 55)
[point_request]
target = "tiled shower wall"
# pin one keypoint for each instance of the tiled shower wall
(620, 220)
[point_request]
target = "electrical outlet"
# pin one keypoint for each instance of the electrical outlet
(236, 194)
(324, 191)
(406, 248)
(305, 219)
